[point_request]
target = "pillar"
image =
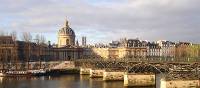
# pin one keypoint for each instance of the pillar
(113, 76)
(139, 79)
(85, 71)
(96, 73)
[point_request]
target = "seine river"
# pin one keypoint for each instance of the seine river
(65, 81)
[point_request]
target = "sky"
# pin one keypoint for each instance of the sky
(102, 21)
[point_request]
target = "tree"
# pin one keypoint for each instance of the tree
(40, 40)
(14, 55)
(14, 35)
(27, 37)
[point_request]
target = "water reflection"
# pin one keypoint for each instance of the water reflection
(66, 81)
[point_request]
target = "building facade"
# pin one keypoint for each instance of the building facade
(66, 36)
(153, 50)
(117, 53)
(168, 48)
(7, 49)
(84, 41)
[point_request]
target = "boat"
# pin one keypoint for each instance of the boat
(39, 72)
(14, 73)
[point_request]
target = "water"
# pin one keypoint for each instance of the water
(65, 81)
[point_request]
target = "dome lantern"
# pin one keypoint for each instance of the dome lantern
(66, 23)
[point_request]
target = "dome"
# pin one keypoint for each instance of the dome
(66, 36)
(66, 30)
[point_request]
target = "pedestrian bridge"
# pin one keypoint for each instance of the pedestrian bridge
(175, 69)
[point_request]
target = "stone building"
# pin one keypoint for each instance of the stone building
(66, 48)
(168, 48)
(84, 41)
(66, 53)
(153, 49)
(134, 43)
(117, 53)
(14, 52)
(131, 48)
(114, 44)
(7, 50)
(66, 36)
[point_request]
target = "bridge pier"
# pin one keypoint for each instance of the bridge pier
(96, 73)
(139, 79)
(85, 71)
(178, 83)
(113, 76)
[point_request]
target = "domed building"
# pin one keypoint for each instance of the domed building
(66, 36)
(66, 48)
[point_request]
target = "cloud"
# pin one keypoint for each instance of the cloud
(103, 21)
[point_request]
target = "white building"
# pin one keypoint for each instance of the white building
(167, 48)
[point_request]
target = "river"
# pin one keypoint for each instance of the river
(64, 81)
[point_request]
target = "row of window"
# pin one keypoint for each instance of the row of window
(6, 42)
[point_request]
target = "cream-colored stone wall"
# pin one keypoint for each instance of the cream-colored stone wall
(62, 40)
(113, 76)
(96, 73)
(139, 80)
(180, 84)
(119, 52)
(102, 52)
(85, 71)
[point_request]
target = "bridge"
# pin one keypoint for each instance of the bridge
(144, 71)
(140, 65)
(125, 69)
(129, 65)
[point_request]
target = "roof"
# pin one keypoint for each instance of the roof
(66, 30)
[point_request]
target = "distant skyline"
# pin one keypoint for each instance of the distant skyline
(105, 20)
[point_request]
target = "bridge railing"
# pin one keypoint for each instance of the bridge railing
(148, 60)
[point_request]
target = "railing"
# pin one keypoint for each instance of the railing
(148, 60)
(100, 62)
(143, 64)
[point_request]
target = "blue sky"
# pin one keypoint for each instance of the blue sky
(105, 20)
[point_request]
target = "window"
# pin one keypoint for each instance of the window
(67, 42)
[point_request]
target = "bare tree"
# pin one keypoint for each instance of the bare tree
(43, 39)
(27, 37)
(14, 55)
(37, 39)
(40, 40)
(14, 35)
